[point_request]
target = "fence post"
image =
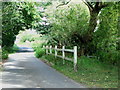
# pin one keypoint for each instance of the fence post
(55, 51)
(50, 49)
(75, 58)
(46, 49)
(63, 54)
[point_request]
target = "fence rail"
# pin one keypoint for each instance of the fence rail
(49, 49)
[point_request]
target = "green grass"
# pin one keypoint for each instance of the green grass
(91, 72)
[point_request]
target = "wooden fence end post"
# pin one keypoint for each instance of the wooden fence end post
(75, 58)
(63, 54)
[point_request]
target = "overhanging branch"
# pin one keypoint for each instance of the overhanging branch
(88, 4)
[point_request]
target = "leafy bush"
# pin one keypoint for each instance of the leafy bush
(39, 52)
(106, 36)
(4, 54)
(39, 42)
(15, 48)
(12, 49)
(28, 37)
(108, 57)
(67, 25)
(7, 50)
(35, 46)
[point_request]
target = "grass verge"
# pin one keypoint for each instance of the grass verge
(91, 72)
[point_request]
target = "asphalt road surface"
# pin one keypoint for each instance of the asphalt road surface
(24, 70)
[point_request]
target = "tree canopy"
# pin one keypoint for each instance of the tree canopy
(92, 26)
(15, 17)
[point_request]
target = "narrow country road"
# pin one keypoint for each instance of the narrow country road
(24, 70)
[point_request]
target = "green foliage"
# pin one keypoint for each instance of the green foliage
(0, 55)
(12, 49)
(43, 29)
(4, 54)
(38, 48)
(35, 46)
(8, 50)
(91, 72)
(108, 57)
(0, 24)
(106, 36)
(15, 17)
(66, 23)
(43, 26)
(39, 52)
(70, 25)
(28, 37)
(39, 42)
(44, 4)
(15, 48)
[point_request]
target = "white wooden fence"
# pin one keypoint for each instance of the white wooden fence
(63, 50)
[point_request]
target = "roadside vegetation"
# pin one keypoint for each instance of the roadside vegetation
(91, 26)
(0, 60)
(70, 28)
(91, 72)
(4, 54)
(8, 50)
(16, 17)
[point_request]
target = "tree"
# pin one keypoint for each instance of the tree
(43, 26)
(94, 30)
(105, 38)
(94, 10)
(16, 16)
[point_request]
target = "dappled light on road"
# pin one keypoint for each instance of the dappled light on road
(23, 70)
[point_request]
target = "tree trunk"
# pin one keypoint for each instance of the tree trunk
(88, 36)
(92, 26)
(93, 21)
(94, 12)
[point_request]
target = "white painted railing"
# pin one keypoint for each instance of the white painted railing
(49, 49)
